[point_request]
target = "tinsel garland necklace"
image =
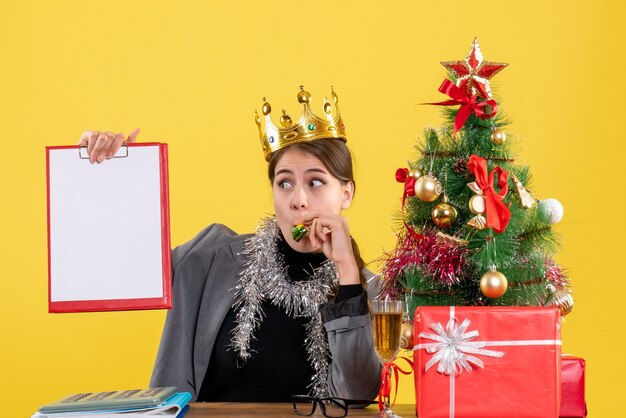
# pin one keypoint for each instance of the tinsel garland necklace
(264, 277)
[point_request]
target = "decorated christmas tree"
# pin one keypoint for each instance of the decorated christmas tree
(472, 233)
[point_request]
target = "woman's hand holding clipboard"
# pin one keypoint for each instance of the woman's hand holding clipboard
(102, 145)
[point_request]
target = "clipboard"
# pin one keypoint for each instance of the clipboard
(108, 230)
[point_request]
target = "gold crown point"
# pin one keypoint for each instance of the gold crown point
(257, 119)
(303, 96)
(267, 108)
(334, 95)
(285, 120)
(327, 107)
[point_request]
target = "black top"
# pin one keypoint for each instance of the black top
(279, 366)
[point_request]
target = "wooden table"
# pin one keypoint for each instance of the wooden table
(277, 410)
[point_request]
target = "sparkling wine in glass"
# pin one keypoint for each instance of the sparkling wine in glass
(387, 327)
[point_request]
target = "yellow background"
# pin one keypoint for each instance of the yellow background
(191, 74)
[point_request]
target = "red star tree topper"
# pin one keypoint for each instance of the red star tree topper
(474, 72)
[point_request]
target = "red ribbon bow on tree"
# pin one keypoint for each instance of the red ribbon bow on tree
(498, 214)
(469, 104)
(385, 381)
(402, 176)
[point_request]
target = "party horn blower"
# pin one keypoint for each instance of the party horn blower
(298, 232)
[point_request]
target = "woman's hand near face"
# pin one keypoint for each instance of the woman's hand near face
(102, 145)
(332, 235)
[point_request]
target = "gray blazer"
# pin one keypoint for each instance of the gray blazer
(205, 273)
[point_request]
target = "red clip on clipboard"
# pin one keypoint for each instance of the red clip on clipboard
(108, 230)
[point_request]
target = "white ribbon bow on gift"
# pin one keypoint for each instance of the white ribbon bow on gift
(454, 346)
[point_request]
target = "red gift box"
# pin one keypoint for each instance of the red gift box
(483, 362)
(573, 387)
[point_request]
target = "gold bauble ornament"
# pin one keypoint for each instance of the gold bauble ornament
(498, 137)
(417, 173)
(493, 284)
(444, 214)
(428, 188)
(406, 339)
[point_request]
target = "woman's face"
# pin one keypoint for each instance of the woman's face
(304, 189)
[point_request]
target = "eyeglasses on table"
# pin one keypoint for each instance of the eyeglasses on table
(331, 407)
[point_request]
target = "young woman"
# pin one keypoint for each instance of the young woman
(261, 317)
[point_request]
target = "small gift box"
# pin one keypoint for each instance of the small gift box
(487, 362)
(573, 403)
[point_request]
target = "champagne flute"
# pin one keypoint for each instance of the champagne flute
(387, 330)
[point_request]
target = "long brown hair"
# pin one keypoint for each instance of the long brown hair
(336, 157)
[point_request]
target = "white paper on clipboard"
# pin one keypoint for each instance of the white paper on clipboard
(108, 230)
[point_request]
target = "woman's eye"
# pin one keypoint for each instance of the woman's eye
(316, 183)
(284, 184)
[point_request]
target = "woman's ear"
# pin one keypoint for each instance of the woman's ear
(347, 193)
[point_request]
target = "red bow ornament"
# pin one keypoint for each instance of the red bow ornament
(487, 200)
(404, 176)
(485, 109)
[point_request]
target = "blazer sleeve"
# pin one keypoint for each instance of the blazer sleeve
(355, 368)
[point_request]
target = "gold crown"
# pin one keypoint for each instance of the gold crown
(307, 128)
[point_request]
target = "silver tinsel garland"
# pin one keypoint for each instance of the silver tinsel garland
(264, 277)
